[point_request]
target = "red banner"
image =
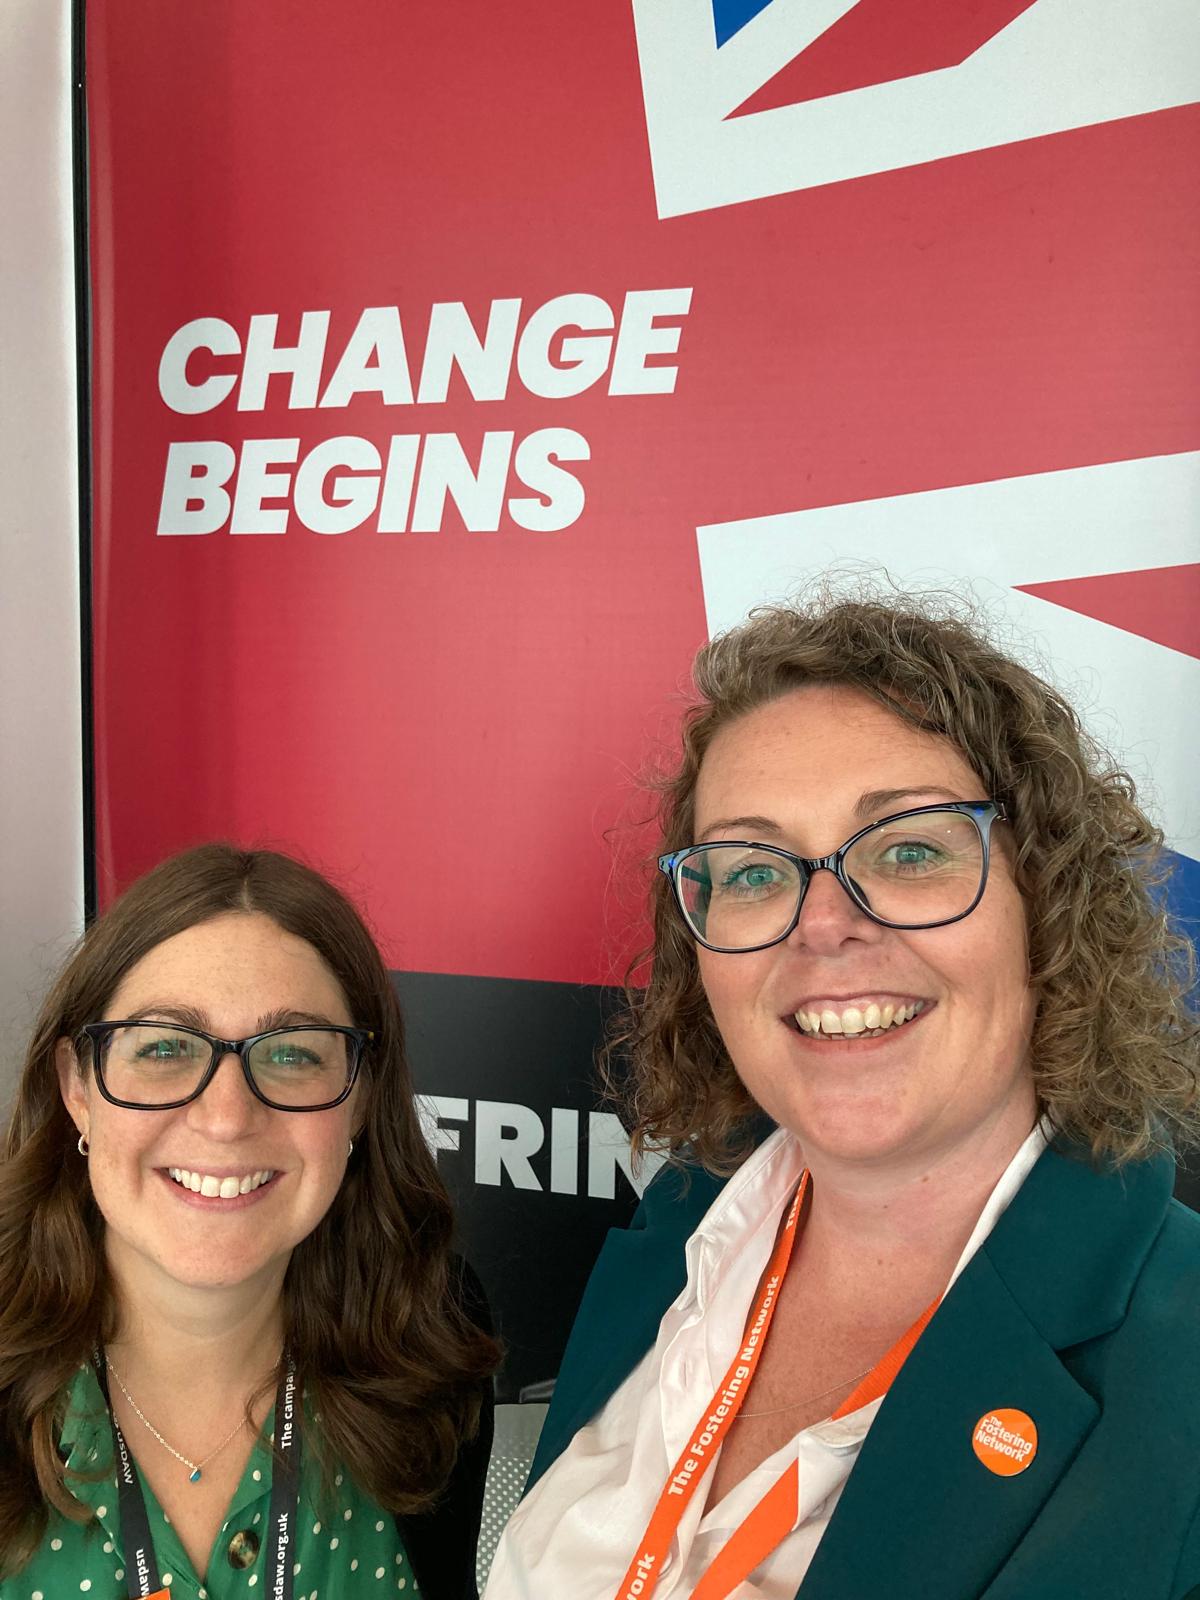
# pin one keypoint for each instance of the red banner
(409, 404)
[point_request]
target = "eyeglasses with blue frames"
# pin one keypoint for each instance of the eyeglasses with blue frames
(920, 868)
(146, 1065)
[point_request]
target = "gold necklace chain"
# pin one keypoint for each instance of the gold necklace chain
(195, 1468)
(793, 1405)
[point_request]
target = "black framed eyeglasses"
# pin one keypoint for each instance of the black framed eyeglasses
(920, 868)
(146, 1065)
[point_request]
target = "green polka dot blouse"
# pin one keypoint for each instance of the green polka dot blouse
(342, 1552)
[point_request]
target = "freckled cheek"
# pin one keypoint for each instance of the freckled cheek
(733, 983)
(737, 1001)
(321, 1167)
(1011, 995)
(120, 1155)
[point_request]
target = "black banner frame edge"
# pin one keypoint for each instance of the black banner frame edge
(83, 423)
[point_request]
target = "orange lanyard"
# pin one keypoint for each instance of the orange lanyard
(773, 1518)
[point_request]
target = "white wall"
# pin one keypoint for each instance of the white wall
(41, 844)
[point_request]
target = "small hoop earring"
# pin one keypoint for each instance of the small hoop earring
(83, 1146)
(350, 1152)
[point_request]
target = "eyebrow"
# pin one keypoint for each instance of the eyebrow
(190, 1017)
(744, 824)
(872, 803)
(876, 800)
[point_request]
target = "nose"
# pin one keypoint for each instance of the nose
(829, 918)
(227, 1109)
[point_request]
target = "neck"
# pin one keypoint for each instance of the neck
(170, 1333)
(907, 1221)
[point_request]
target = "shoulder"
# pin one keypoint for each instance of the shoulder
(1167, 1296)
(676, 1200)
(1188, 1571)
(1181, 1227)
(1142, 1369)
(1154, 1352)
(645, 1260)
(639, 1272)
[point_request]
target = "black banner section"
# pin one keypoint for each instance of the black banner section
(537, 1165)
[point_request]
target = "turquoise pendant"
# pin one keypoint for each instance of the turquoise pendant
(195, 1477)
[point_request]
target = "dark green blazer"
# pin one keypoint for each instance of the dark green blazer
(1082, 1308)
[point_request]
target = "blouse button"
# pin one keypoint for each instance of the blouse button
(243, 1548)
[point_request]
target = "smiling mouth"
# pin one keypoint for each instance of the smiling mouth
(871, 1021)
(214, 1188)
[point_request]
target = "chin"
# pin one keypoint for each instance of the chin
(850, 1131)
(224, 1274)
(194, 1266)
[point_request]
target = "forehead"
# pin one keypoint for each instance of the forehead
(241, 963)
(815, 751)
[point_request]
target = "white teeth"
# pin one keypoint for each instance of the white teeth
(214, 1188)
(871, 1019)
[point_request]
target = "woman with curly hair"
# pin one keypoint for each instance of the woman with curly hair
(236, 1354)
(936, 1335)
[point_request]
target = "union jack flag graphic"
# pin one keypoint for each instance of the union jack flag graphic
(751, 98)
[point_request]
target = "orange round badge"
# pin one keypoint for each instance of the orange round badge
(1005, 1441)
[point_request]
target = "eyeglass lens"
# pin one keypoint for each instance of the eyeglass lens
(156, 1063)
(915, 870)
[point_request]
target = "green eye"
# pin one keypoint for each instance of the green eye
(912, 855)
(165, 1050)
(293, 1055)
(754, 878)
(757, 877)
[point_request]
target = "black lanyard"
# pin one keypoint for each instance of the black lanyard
(142, 1578)
(285, 1488)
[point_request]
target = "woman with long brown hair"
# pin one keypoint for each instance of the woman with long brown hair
(237, 1356)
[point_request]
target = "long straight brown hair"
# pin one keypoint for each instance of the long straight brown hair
(372, 1313)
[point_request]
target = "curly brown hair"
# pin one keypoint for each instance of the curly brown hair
(1114, 1045)
(373, 1316)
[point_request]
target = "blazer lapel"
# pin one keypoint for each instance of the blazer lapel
(920, 1513)
(638, 1274)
